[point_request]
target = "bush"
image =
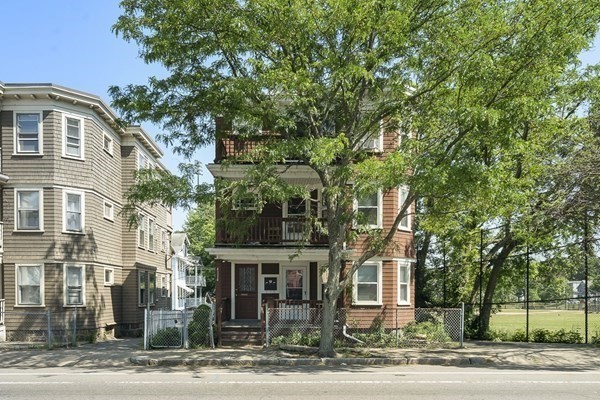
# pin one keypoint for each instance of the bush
(199, 327)
(168, 337)
(297, 338)
(429, 331)
(539, 335)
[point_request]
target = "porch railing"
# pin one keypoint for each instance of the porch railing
(270, 230)
(195, 280)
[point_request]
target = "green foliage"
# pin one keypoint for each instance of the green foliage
(538, 335)
(199, 327)
(200, 228)
(167, 337)
(295, 337)
(483, 111)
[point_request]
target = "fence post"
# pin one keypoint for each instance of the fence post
(184, 329)
(397, 327)
(49, 316)
(462, 324)
(146, 329)
(267, 339)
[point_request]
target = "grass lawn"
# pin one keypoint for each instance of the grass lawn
(512, 319)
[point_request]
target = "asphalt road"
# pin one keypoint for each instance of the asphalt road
(404, 382)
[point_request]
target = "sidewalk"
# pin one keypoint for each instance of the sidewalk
(128, 353)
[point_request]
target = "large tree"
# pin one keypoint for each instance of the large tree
(459, 78)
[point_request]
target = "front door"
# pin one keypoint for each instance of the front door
(295, 280)
(246, 294)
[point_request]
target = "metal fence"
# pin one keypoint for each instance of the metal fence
(570, 320)
(360, 327)
(46, 328)
(190, 328)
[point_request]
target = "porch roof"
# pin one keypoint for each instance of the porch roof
(262, 254)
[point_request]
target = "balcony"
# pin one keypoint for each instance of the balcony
(271, 231)
(193, 280)
(232, 146)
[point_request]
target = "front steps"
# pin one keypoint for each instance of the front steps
(241, 333)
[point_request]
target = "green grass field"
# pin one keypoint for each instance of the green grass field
(512, 319)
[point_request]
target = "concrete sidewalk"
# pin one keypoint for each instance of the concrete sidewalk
(126, 353)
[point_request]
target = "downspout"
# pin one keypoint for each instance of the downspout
(346, 335)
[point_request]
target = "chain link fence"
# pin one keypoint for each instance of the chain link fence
(46, 328)
(190, 328)
(363, 327)
(561, 320)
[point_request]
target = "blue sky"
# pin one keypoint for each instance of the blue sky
(70, 43)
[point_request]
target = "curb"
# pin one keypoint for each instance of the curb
(147, 361)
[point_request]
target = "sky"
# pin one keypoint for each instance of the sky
(70, 43)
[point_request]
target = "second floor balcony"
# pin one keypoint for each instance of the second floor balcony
(271, 231)
(195, 280)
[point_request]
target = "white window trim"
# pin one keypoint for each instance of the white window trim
(81, 137)
(64, 213)
(374, 144)
(142, 156)
(236, 206)
(408, 210)
(41, 210)
(151, 234)
(141, 225)
(65, 287)
(42, 277)
(378, 302)
(379, 211)
(111, 143)
(40, 135)
(111, 281)
(110, 217)
(404, 264)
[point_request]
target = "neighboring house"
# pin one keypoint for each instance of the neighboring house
(66, 166)
(188, 279)
(260, 267)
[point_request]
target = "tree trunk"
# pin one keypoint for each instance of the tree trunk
(420, 297)
(327, 327)
(497, 266)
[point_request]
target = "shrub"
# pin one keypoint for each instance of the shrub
(199, 327)
(167, 337)
(297, 338)
(429, 331)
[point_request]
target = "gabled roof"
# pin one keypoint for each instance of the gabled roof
(178, 239)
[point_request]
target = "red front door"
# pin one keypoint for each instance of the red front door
(246, 293)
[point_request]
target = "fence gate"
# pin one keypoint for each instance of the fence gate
(165, 328)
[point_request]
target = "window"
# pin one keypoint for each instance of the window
(73, 137)
(30, 285)
(29, 210)
(367, 284)
(163, 240)
(374, 142)
(108, 211)
(141, 230)
(247, 201)
(74, 285)
(73, 212)
(151, 228)
(109, 276)
(368, 210)
(402, 196)
(142, 160)
(403, 283)
(107, 143)
(28, 130)
(147, 287)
